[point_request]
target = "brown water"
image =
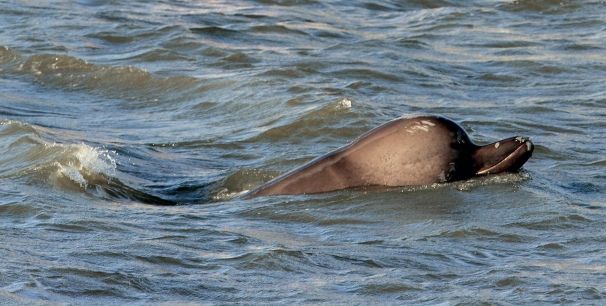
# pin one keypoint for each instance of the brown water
(127, 130)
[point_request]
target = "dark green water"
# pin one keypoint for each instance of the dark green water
(109, 108)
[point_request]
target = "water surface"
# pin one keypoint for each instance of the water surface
(128, 128)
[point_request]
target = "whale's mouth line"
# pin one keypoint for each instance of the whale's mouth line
(511, 162)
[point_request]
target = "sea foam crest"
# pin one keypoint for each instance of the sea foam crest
(84, 164)
(343, 104)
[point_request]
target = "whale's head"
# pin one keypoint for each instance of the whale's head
(507, 155)
(467, 159)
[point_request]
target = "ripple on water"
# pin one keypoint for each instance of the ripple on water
(484, 234)
(72, 73)
(97, 282)
(306, 125)
(386, 288)
(8, 58)
(23, 213)
(276, 259)
(542, 6)
(237, 60)
(570, 221)
(553, 246)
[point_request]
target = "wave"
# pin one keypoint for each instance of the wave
(26, 154)
(483, 233)
(240, 182)
(314, 123)
(72, 73)
(542, 6)
(24, 144)
(31, 153)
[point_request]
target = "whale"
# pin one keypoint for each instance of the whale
(408, 151)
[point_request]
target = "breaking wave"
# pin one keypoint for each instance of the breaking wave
(70, 167)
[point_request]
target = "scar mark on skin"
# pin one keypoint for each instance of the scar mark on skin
(417, 126)
(421, 127)
(427, 122)
(496, 145)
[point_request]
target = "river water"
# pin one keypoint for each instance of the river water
(129, 128)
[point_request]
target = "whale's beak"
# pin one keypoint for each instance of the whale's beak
(507, 155)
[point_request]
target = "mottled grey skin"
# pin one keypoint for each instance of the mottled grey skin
(403, 152)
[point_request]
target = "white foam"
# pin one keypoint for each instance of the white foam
(71, 172)
(344, 104)
(80, 161)
(95, 160)
(224, 194)
(501, 178)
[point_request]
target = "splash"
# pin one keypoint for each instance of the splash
(83, 164)
(25, 148)
(226, 195)
(343, 104)
(501, 178)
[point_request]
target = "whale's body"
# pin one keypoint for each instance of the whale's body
(403, 152)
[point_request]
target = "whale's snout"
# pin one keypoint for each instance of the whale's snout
(507, 155)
